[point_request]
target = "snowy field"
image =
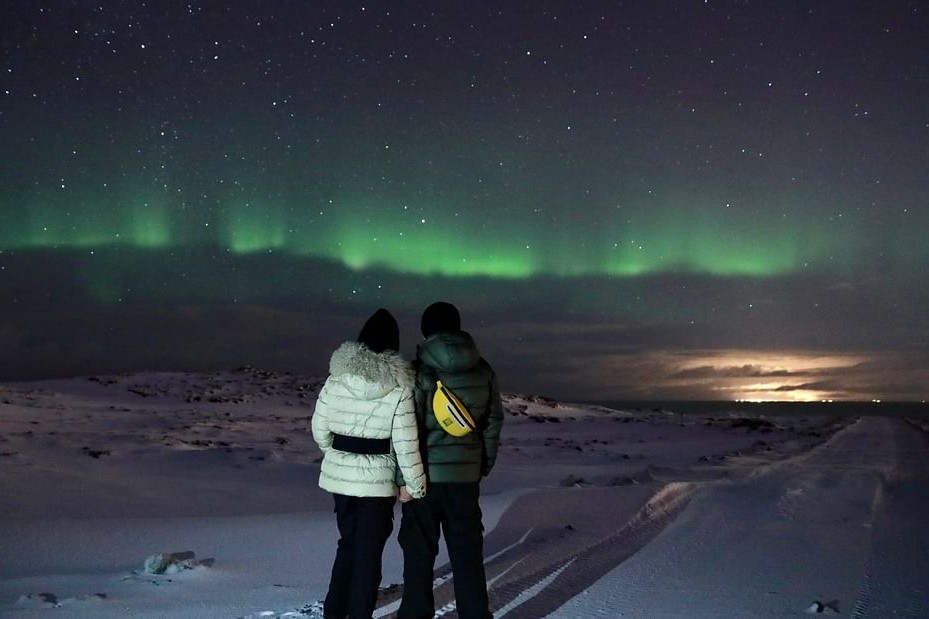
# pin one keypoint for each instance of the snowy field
(194, 495)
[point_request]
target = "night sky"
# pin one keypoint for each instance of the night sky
(700, 199)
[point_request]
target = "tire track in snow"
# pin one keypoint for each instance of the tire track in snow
(894, 584)
(392, 597)
(546, 583)
(569, 544)
(534, 590)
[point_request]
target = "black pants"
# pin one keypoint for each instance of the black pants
(452, 510)
(365, 524)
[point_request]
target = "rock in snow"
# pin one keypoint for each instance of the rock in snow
(172, 563)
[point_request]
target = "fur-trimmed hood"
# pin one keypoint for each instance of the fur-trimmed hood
(369, 375)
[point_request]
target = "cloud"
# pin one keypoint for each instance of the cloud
(815, 386)
(744, 371)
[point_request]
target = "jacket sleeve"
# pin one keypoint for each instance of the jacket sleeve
(319, 424)
(419, 399)
(494, 426)
(405, 441)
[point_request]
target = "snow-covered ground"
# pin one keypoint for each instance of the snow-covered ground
(590, 512)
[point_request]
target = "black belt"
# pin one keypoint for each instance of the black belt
(358, 445)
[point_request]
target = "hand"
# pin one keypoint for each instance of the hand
(405, 497)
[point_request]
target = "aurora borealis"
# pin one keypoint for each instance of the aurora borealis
(719, 191)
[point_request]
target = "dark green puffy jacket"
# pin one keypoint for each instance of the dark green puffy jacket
(454, 359)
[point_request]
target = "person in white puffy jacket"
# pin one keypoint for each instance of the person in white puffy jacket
(365, 425)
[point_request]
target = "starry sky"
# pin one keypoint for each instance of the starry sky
(700, 199)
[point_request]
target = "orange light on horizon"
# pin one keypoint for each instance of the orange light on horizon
(752, 376)
(763, 376)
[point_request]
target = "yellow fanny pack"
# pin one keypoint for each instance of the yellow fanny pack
(450, 412)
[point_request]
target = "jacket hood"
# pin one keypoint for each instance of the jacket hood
(453, 351)
(369, 375)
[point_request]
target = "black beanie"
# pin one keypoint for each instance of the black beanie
(440, 317)
(380, 332)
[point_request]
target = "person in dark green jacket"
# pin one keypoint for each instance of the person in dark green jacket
(454, 465)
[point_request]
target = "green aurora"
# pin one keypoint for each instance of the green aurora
(364, 233)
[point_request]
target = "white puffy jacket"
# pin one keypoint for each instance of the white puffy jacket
(368, 395)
